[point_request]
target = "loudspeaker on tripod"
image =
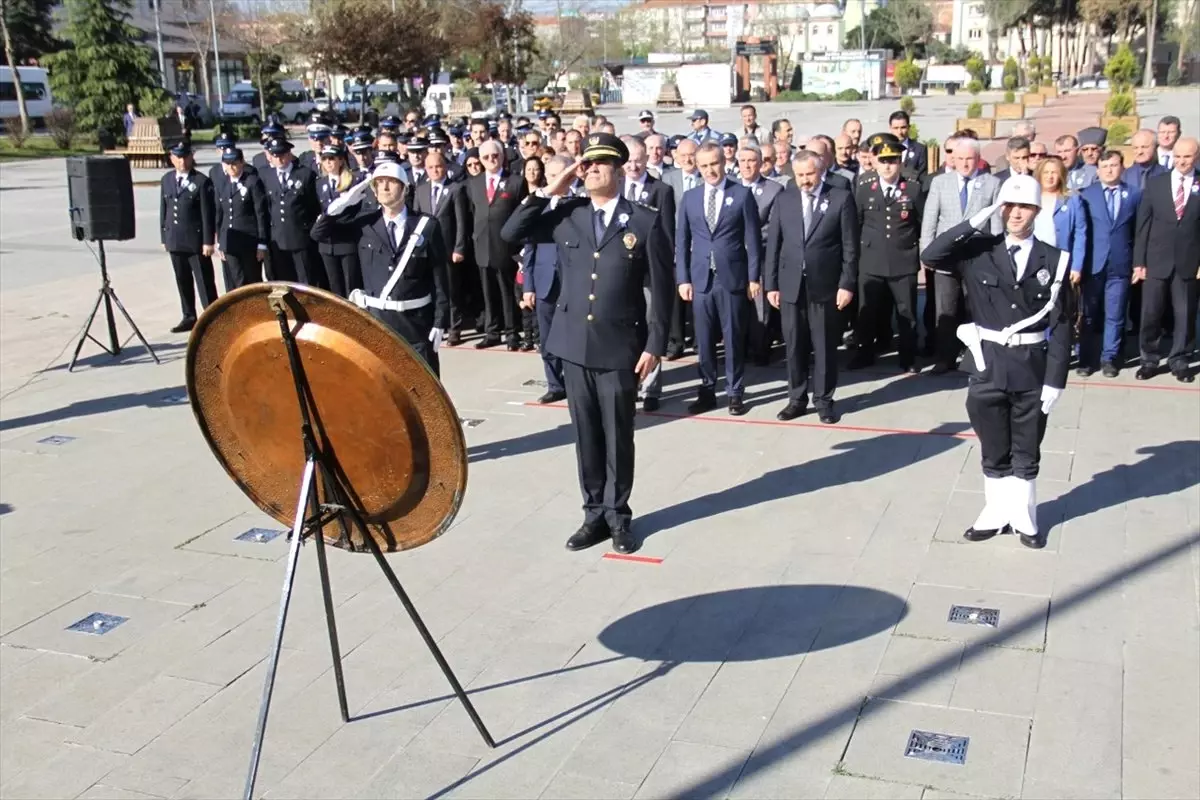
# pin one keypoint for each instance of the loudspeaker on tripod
(100, 192)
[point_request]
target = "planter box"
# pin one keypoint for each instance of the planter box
(1033, 99)
(1049, 91)
(1126, 151)
(1010, 111)
(1134, 122)
(984, 127)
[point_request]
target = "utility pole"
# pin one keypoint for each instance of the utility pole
(1151, 32)
(162, 63)
(212, 11)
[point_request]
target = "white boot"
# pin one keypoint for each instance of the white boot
(995, 512)
(1022, 506)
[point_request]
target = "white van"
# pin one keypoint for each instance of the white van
(351, 103)
(36, 84)
(242, 103)
(437, 98)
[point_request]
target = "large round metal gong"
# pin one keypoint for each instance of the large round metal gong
(380, 413)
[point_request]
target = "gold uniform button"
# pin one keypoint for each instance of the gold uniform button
(590, 318)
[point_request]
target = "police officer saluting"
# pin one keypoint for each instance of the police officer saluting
(609, 249)
(403, 259)
(1020, 345)
(187, 218)
(243, 227)
(889, 217)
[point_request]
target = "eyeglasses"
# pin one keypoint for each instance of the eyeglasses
(489, 157)
(533, 142)
(1037, 155)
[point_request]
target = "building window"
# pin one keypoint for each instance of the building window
(829, 29)
(816, 30)
(978, 10)
(975, 33)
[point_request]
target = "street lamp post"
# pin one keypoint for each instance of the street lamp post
(212, 11)
(162, 64)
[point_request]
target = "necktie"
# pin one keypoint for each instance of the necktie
(437, 191)
(178, 184)
(599, 225)
(710, 208)
(632, 191)
(807, 204)
(333, 186)
(1180, 199)
(1012, 254)
(1112, 204)
(282, 180)
(962, 196)
(891, 194)
(1166, 160)
(491, 189)
(391, 229)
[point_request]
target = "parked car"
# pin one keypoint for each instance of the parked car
(242, 103)
(38, 100)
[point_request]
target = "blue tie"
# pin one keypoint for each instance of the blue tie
(1112, 204)
(962, 197)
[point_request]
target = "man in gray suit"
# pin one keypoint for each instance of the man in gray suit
(953, 197)
(685, 176)
(762, 323)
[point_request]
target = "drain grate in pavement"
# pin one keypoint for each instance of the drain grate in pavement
(56, 440)
(972, 615)
(940, 747)
(177, 399)
(258, 535)
(468, 422)
(97, 624)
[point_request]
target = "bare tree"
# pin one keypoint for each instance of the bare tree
(12, 65)
(566, 47)
(788, 31)
(196, 16)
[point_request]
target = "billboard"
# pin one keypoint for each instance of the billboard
(832, 73)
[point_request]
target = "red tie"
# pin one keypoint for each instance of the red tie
(491, 189)
(1180, 200)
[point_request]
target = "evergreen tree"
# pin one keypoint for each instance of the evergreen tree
(105, 66)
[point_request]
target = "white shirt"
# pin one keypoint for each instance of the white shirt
(1021, 257)
(437, 190)
(608, 208)
(1166, 158)
(970, 182)
(1116, 201)
(885, 186)
(401, 220)
(691, 179)
(493, 181)
(718, 190)
(1176, 177)
(640, 183)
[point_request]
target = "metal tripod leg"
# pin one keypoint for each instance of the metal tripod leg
(327, 596)
(136, 331)
(306, 488)
(83, 337)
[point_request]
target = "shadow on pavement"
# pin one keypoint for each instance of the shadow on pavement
(158, 398)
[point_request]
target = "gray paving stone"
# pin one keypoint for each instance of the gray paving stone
(67, 773)
(416, 773)
(100, 791)
(1156, 685)
(685, 766)
(145, 714)
(1078, 711)
(1022, 617)
(153, 782)
(989, 568)
(566, 786)
(995, 754)
(846, 787)
(1139, 779)
(25, 743)
(906, 656)
(998, 680)
(27, 683)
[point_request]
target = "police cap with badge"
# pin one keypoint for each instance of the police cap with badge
(231, 155)
(887, 149)
(181, 149)
(605, 148)
(278, 146)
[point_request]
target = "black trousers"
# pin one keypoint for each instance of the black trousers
(297, 266)
(193, 276)
(1010, 427)
(877, 296)
(929, 312)
(816, 329)
(948, 293)
(344, 273)
(552, 365)
(1179, 295)
(239, 269)
(602, 405)
(500, 301)
(762, 329)
(680, 311)
(460, 294)
(721, 314)
(414, 327)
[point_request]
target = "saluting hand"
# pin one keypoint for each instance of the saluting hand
(646, 365)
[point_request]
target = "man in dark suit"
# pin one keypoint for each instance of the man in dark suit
(764, 322)
(1016, 154)
(1166, 257)
(811, 275)
(889, 218)
(1020, 348)
(717, 261)
(243, 224)
(1111, 206)
(916, 155)
(292, 200)
(1145, 165)
(492, 196)
(186, 220)
(824, 147)
(446, 202)
(609, 248)
(403, 260)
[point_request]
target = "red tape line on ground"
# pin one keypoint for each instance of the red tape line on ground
(637, 559)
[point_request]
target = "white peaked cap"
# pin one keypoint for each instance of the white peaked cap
(1022, 190)
(389, 170)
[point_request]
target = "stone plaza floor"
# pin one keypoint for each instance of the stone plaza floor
(784, 632)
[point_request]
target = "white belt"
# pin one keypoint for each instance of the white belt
(397, 305)
(1012, 340)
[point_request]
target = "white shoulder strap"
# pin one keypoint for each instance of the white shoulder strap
(1063, 258)
(413, 240)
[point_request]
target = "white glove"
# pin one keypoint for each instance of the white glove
(981, 218)
(358, 297)
(1050, 396)
(435, 336)
(348, 199)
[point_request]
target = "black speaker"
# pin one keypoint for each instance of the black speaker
(100, 194)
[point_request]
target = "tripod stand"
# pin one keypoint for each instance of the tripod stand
(326, 497)
(108, 296)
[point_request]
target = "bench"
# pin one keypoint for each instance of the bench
(150, 142)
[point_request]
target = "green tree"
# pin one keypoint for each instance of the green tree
(908, 75)
(1122, 69)
(105, 67)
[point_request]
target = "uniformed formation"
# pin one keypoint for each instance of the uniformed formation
(536, 235)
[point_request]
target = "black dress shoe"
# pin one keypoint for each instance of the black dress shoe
(649, 404)
(941, 368)
(485, 343)
(910, 369)
(513, 344)
(453, 339)
(1145, 372)
(1035, 542)
(860, 360)
(1109, 370)
(980, 534)
(552, 396)
(674, 353)
(1183, 375)
(1084, 372)
(623, 541)
(737, 407)
(588, 536)
(527, 346)
(827, 415)
(791, 411)
(707, 401)
(185, 325)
